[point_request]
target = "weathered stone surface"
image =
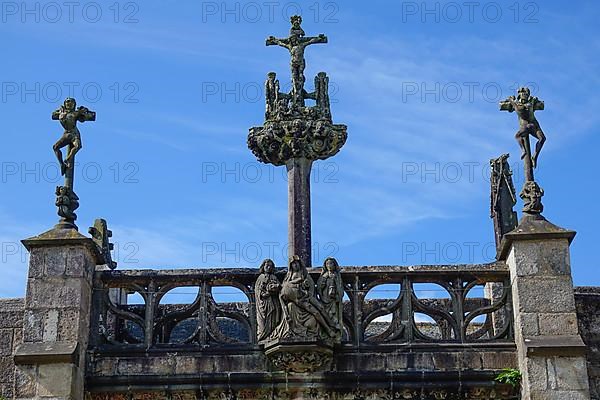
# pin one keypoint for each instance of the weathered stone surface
(588, 312)
(545, 294)
(558, 323)
(57, 294)
(6, 342)
(56, 316)
(542, 258)
(56, 380)
(548, 344)
(25, 381)
(567, 373)
(11, 323)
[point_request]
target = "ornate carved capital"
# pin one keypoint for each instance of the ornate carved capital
(279, 141)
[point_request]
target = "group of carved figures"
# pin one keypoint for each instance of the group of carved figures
(285, 106)
(297, 309)
(282, 106)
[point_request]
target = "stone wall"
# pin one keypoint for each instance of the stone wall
(587, 300)
(11, 315)
(11, 335)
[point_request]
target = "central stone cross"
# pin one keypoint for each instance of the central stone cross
(295, 135)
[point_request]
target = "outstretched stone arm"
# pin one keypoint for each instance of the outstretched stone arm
(84, 114)
(56, 115)
(508, 104)
(272, 41)
(319, 39)
(538, 105)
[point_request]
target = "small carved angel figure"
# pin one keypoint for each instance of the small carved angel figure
(331, 290)
(268, 309)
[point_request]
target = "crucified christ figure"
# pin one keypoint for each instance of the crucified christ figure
(296, 43)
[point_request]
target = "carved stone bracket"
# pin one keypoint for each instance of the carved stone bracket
(279, 141)
(300, 357)
(532, 198)
(67, 202)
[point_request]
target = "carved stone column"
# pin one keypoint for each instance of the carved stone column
(295, 134)
(299, 232)
(551, 352)
(51, 360)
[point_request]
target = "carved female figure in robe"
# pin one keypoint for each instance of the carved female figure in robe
(303, 315)
(268, 309)
(331, 290)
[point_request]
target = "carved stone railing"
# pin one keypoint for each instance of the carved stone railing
(457, 317)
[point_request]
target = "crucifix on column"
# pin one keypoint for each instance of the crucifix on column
(525, 106)
(295, 135)
(66, 199)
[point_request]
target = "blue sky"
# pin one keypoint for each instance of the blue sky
(177, 84)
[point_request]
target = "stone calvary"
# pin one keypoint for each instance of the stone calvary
(515, 328)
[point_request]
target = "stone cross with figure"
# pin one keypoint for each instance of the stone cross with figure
(525, 106)
(66, 199)
(295, 135)
(296, 43)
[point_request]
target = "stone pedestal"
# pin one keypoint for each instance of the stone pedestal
(300, 356)
(551, 352)
(51, 360)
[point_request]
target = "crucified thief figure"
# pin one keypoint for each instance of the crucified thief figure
(68, 116)
(525, 106)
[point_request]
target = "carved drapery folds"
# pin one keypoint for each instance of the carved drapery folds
(309, 326)
(268, 308)
(305, 318)
(331, 290)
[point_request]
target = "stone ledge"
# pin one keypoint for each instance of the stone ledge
(47, 353)
(329, 380)
(533, 228)
(64, 237)
(567, 345)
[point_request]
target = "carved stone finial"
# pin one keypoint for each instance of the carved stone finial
(502, 198)
(101, 236)
(68, 116)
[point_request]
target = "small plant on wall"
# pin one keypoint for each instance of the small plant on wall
(510, 376)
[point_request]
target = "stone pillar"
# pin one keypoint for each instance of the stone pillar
(550, 350)
(299, 228)
(51, 360)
